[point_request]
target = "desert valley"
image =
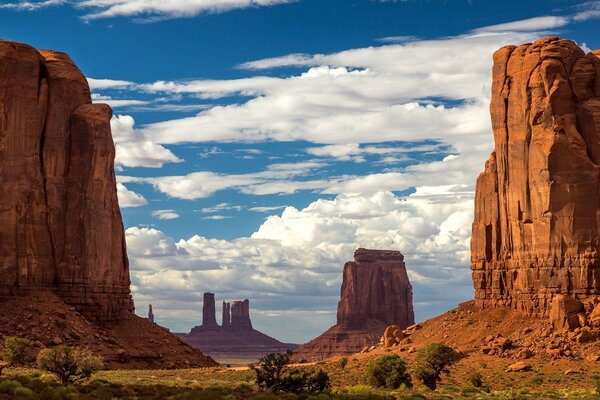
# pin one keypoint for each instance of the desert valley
(78, 322)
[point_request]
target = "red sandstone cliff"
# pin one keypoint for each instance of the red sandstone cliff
(537, 204)
(376, 292)
(61, 235)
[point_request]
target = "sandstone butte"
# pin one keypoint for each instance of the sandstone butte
(536, 231)
(376, 292)
(235, 340)
(62, 242)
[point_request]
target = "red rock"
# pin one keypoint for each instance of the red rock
(536, 205)
(519, 366)
(240, 315)
(209, 318)
(375, 294)
(236, 339)
(150, 313)
(564, 312)
(226, 316)
(61, 232)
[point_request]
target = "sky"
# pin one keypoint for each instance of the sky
(260, 142)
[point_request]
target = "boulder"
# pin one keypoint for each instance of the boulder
(520, 366)
(565, 311)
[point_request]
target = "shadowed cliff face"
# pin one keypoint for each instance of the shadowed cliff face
(60, 223)
(375, 286)
(537, 204)
(376, 292)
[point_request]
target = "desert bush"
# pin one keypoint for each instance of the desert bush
(69, 364)
(432, 361)
(342, 362)
(16, 350)
(273, 374)
(476, 378)
(389, 371)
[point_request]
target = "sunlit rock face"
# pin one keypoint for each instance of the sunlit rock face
(536, 227)
(376, 293)
(60, 223)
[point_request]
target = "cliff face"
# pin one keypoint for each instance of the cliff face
(375, 286)
(64, 273)
(537, 204)
(60, 224)
(376, 292)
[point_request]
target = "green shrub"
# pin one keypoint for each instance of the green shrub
(476, 379)
(17, 349)
(69, 364)
(342, 362)
(432, 361)
(389, 371)
(9, 386)
(273, 374)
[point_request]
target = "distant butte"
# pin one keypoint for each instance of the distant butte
(235, 340)
(376, 292)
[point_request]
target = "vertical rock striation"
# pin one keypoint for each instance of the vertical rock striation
(537, 203)
(376, 292)
(240, 315)
(226, 316)
(60, 223)
(375, 286)
(62, 242)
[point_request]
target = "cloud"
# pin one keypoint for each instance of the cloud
(217, 217)
(527, 25)
(297, 257)
(145, 10)
(221, 207)
(197, 185)
(128, 198)
(266, 209)
(133, 149)
(165, 214)
(151, 10)
(32, 5)
(99, 84)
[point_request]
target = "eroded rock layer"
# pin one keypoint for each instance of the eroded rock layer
(376, 292)
(537, 204)
(64, 272)
(60, 224)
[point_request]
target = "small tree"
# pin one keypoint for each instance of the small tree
(432, 361)
(270, 368)
(273, 374)
(69, 364)
(389, 371)
(17, 349)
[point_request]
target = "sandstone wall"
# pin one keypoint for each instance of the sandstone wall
(537, 204)
(60, 223)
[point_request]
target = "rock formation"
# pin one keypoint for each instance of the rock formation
(226, 319)
(235, 340)
(150, 313)
(209, 318)
(537, 204)
(60, 225)
(375, 293)
(240, 315)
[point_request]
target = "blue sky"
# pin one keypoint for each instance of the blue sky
(259, 142)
